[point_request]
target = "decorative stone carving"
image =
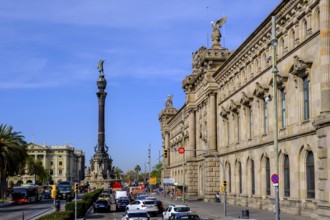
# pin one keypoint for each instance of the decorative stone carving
(300, 68)
(233, 106)
(259, 91)
(224, 113)
(245, 100)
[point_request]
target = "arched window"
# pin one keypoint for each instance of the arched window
(282, 46)
(316, 20)
(292, 39)
(304, 29)
(310, 175)
(286, 176)
(240, 176)
(229, 171)
(267, 177)
(252, 178)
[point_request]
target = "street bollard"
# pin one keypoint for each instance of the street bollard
(23, 216)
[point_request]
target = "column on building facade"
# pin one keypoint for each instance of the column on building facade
(192, 135)
(44, 160)
(212, 122)
(167, 147)
(325, 54)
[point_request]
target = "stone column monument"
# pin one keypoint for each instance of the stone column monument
(101, 171)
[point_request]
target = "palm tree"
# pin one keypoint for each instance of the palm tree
(13, 152)
(137, 170)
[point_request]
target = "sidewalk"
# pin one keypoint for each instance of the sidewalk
(216, 211)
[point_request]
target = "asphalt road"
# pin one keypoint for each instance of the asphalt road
(29, 211)
(119, 215)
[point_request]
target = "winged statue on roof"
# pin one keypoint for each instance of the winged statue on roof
(216, 35)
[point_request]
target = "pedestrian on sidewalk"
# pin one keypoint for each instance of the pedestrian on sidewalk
(171, 195)
(217, 198)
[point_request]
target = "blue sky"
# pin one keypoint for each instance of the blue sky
(49, 51)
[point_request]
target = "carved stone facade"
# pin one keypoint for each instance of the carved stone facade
(227, 113)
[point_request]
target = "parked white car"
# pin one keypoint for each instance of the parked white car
(147, 205)
(171, 209)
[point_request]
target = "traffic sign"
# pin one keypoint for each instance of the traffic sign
(181, 150)
(275, 178)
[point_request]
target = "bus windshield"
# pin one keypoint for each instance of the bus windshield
(19, 193)
(64, 187)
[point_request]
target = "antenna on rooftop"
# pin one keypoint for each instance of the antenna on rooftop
(207, 34)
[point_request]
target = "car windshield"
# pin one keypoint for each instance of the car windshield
(134, 215)
(181, 209)
(64, 187)
(102, 202)
(149, 202)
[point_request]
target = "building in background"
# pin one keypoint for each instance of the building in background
(227, 113)
(64, 163)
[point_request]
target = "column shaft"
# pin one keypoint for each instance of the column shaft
(212, 123)
(325, 54)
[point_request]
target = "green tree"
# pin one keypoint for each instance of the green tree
(13, 153)
(35, 167)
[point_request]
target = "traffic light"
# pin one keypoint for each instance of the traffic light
(53, 192)
(165, 153)
(76, 187)
(225, 183)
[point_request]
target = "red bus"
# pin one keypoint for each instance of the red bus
(27, 194)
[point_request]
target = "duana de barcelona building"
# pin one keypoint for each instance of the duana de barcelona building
(229, 111)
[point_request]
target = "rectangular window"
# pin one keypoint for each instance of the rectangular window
(60, 163)
(265, 117)
(306, 98)
(250, 124)
(60, 172)
(228, 133)
(238, 133)
(283, 108)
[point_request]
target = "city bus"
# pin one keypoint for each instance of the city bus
(27, 194)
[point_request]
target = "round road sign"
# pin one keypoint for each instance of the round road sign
(275, 178)
(181, 150)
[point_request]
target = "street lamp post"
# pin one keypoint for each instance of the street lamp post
(275, 71)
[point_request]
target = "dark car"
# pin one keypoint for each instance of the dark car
(122, 202)
(183, 216)
(47, 194)
(102, 205)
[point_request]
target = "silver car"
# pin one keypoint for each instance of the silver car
(147, 205)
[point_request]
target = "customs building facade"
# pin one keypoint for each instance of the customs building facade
(229, 116)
